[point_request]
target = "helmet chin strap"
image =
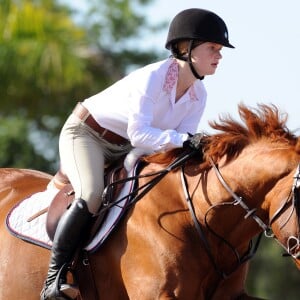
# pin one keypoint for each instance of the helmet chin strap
(189, 60)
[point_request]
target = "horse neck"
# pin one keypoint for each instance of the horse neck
(251, 176)
(256, 171)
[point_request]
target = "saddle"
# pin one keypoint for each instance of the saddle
(114, 179)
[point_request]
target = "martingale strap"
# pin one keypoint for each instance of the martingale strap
(197, 224)
(238, 201)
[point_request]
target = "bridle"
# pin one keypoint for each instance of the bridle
(293, 243)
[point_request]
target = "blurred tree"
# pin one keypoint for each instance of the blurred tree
(16, 148)
(114, 28)
(271, 275)
(39, 60)
(48, 62)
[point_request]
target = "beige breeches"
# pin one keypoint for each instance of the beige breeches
(83, 155)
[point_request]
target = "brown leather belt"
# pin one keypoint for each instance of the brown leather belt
(83, 114)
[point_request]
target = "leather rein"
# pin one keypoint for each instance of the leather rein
(237, 200)
(138, 193)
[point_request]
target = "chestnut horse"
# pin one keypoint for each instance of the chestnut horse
(188, 237)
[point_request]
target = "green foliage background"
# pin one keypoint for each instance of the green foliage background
(49, 61)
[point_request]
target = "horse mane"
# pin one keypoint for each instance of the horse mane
(264, 122)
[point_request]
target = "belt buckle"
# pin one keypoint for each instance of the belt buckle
(85, 116)
(104, 133)
(81, 112)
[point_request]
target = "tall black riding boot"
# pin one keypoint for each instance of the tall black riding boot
(69, 233)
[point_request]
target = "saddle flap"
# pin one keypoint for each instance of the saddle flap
(113, 180)
(58, 206)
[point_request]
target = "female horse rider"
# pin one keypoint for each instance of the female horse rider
(153, 109)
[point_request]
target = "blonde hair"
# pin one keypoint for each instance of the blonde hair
(181, 48)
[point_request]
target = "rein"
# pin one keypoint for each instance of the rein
(238, 201)
(141, 191)
(293, 242)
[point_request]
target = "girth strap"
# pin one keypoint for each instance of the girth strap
(85, 277)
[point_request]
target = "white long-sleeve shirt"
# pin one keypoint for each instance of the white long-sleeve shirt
(142, 108)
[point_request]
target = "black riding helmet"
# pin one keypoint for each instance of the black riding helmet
(196, 25)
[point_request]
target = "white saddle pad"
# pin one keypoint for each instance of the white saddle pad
(20, 223)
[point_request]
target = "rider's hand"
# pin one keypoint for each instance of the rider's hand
(194, 141)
